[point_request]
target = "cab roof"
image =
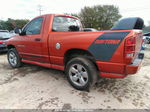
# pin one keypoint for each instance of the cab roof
(58, 15)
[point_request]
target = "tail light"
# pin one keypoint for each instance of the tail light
(130, 49)
(1, 42)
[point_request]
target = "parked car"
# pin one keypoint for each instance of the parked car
(147, 37)
(12, 32)
(89, 30)
(144, 44)
(59, 42)
(3, 37)
(4, 31)
(143, 47)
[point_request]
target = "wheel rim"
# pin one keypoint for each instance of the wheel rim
(12, 58)
(78, 75)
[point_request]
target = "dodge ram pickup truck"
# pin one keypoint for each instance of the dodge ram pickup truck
(59, 42)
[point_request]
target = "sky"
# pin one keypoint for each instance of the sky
(28, 9)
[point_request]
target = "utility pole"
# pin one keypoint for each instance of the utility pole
(40, 9)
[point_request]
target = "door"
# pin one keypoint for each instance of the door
(30, 47)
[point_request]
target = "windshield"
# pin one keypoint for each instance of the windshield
(4, 35)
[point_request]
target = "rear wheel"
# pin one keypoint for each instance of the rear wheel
(81, 73)
(13, 58)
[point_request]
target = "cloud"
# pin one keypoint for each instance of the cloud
(27, 9)
(18, 9)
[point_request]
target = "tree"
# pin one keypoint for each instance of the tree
(2, 24)
(10, 24)
(100, 17)
(146, 29)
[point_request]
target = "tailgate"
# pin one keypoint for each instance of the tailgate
(139, 41)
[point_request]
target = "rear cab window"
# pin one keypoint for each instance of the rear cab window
(66, 24)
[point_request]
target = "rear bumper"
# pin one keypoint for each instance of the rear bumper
(133, 68)
(117, 70)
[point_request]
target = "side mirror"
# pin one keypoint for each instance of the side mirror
(17, 30)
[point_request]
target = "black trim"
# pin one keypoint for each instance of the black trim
(32, 56)
(104, 51)
(34, 60)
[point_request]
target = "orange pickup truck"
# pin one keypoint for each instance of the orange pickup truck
(59, 42)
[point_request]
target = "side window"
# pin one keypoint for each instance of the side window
(34, 27)
(66, 24)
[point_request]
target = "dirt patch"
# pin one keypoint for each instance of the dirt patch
(66, 106)
(23, 71)
(124, 90)
(50, 102)
(85, 97)
(6, 66)
(12, 75)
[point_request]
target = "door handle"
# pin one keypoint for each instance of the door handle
(37, 39)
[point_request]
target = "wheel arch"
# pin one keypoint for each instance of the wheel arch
(10, 46)
(69, 54)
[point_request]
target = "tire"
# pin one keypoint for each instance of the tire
(14, 58)
(81, 73)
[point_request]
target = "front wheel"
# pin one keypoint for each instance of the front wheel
(81, 73)
(13, 58)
